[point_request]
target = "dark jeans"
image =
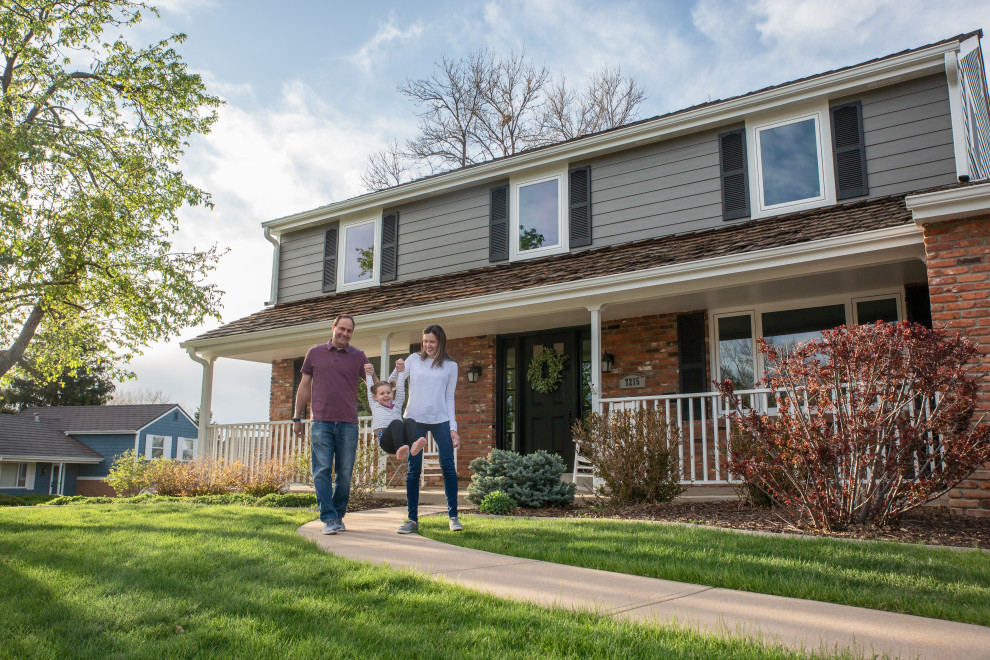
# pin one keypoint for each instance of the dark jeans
(399, 432)
(334, 449)
(445, 446)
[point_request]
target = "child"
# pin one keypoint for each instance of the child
(395, 435)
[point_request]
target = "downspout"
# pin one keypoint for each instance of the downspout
(956, 116)
(275, 257)
(205, 401)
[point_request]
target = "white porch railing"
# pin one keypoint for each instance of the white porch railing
(250, 443)
(705, 429)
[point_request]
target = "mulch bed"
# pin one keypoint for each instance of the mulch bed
(361, 503)
(931, 525)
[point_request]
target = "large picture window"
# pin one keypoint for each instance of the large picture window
(13, 475)
(537, 217)
(786, 326)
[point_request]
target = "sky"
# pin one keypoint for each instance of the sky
(310, 90)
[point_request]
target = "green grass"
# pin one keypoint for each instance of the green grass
(914, 579)
(177, 580)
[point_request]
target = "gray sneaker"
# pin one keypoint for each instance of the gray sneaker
(455, 525)
(338, 525)
(330, 527)
(408, 527)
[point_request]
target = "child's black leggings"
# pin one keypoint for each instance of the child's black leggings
(399, 432)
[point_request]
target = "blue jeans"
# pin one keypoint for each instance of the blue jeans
(333, 440)
(445, 446)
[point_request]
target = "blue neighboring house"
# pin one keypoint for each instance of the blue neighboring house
(68, 450)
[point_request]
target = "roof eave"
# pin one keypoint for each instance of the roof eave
(905, 66)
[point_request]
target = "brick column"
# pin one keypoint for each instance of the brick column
(282, 396)
(476, 404)
(956, 254)
(645, 345)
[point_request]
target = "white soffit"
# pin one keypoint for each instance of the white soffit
(951, 204)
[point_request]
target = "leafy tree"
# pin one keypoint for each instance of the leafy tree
(91, 132)
(484, 106)
(86, 385)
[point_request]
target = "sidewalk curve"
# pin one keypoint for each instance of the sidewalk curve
(789, 621)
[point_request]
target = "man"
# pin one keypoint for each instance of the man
(330, 376)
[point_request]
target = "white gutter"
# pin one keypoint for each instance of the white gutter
(675, 279)
(841, 83)
(48, 459)
(278, 248)
(949, 204)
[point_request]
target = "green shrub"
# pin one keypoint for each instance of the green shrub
(128, 473)
(11, 500)
(635, 452)
(533, 481)
(223, 498)
(497, 503)
(81, 499)
(287, 500)
(34, 499)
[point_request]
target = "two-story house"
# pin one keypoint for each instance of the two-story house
(653, 255)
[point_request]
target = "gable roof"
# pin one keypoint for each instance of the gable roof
(911, 62)
(92, 419)
(739, 238)
(23, 437)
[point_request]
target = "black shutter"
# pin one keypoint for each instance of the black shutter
(735, 186)
(330, 259)
(390, 246)
(849, 151)
(691, 357)
(579, 193)
(498, 224)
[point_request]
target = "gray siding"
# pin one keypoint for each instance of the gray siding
(908, 136)
(444, 234)
(666, 188)
(300, 272)
(671, 187)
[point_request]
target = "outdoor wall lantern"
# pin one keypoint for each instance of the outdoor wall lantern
(608, 361)
(473, 373)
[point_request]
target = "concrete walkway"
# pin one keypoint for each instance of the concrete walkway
(790, 621)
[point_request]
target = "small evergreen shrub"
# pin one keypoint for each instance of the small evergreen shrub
(287, 500)
(497, 503)
(533, 481)
(635, 452)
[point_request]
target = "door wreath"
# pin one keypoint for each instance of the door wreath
(550, 363)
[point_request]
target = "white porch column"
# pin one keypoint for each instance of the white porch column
(596, 355)
(205, 400)
(385, 368)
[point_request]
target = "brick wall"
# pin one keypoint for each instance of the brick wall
(476, 405)
(282, 395)
(645, 345)
(94, 488)
(957, 254)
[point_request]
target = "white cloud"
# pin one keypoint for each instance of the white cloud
(376, 48)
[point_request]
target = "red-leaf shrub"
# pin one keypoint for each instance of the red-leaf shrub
(871, 421)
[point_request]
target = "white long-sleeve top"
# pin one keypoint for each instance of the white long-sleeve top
(431, 396)
(382, 416)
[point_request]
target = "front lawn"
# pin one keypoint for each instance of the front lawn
(914, 579)
(175, 580)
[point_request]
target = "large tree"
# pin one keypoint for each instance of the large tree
(484, 106)
(91, 132)
(86, 385)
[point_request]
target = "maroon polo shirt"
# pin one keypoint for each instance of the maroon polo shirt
(336, 374)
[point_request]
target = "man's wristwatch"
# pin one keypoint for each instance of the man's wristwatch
(297, 419)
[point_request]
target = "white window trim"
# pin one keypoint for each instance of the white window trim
(756, 312)
(562, 212)
(375, 279)
(166, 446)
(820, 113)
(178, 448)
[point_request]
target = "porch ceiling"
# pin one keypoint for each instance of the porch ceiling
(852, 247)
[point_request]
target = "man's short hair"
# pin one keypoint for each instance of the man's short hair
(344, 316)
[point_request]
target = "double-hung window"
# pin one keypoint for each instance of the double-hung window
(159, 446)
(791, 168)
(13, 475)
(186, 450)
(538, 217)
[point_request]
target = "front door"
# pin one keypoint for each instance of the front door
(542, 420)
(55, 483)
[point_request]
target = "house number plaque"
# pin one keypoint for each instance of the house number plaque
(631, 382)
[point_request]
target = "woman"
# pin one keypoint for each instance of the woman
(433, 379)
